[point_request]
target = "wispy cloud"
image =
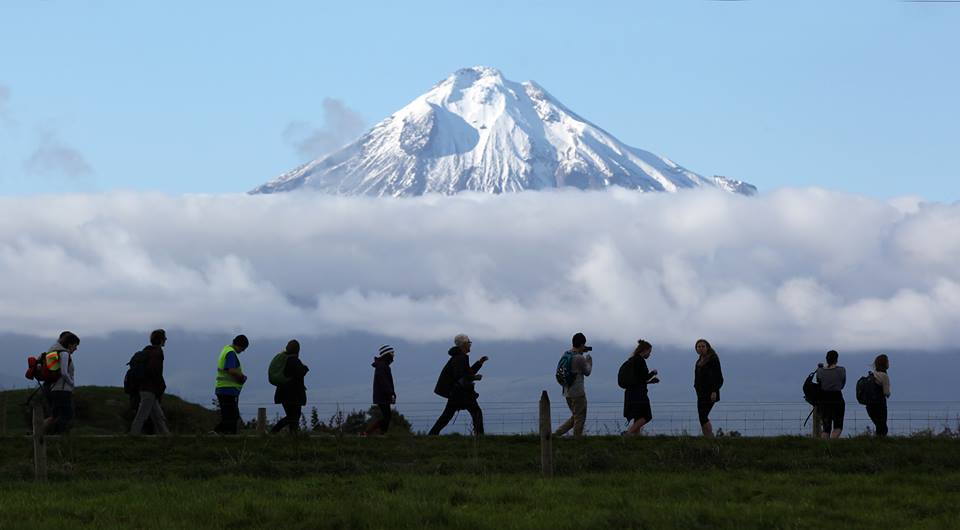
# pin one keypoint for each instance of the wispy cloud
(341, 126)
(54, 157)
(790, 270)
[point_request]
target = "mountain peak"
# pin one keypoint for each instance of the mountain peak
(478, 131)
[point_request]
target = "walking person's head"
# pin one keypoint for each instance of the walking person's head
(579, 342)
(881, 363)
(386, 353)
(704, 349)
(69, 340)
(293, 347)
(644, 349)
(463, 342)
(240, 343)
(832, 357)
(158, 337)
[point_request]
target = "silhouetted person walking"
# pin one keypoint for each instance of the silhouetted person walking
(832, 407)
(707, 380)
(636, 401)
(59, 358)
(384, 393)
(291, 392)
(230, 380)
(456, 383)
(580, 366)
(878, 410)
(152, 386)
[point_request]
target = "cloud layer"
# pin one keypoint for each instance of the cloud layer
(789, 270)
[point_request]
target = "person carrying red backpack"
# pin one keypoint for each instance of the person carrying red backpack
(59, 359)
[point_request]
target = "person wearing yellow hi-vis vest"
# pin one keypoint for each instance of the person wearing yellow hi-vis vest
(230, 381)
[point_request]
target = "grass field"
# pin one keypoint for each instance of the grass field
(456, 482)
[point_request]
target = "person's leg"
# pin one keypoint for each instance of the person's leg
(703, 411)
(579, 415)
(645, 416)
(448, 411)
(229, 414)
(567, 425)
(284, 421)
(477, 416)
(144, 409)
(292, 412)
(838, 413)
(882, 419)
(61, 412)
(385, 416)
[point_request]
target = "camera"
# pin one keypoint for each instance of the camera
(587, 348)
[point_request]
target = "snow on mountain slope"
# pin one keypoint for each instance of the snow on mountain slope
(478, 131)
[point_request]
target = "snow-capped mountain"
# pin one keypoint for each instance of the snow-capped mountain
(478, 131)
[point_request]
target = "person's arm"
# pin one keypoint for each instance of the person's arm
(390, 387)
(642, 373)
(232, 367)
(719, 374)
(886, 385)
(582, 364)
(478, 365)
(843, 377)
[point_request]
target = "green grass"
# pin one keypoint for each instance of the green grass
(458, 482)
(712, 499)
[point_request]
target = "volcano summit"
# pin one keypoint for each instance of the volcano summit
(477, 131)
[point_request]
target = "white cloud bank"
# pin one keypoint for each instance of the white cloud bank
(784, 271)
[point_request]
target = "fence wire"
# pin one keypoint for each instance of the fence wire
(669, 417)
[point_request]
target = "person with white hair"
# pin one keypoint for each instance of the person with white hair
(456, 383)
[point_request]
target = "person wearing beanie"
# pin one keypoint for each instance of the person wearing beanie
(292, 394)
(230, 380)
(384, 394)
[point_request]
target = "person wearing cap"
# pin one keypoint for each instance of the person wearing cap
(230, 380)
(384, 394)
(291, 395)
(456, 383)
(581, 365)
(152, 387)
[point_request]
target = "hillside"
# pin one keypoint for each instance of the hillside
(106, 410)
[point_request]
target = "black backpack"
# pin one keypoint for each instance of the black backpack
(811, 390)
(627, 375)
(869, 391)
(445, 382)
(136, 372)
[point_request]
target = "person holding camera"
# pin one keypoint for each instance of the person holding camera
(456, 383)
(636, 401)
(581, 364)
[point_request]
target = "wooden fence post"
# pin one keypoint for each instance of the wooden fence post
(3, 418)
(262, 420)
(817, 427)
(546, 442)
(39, 445)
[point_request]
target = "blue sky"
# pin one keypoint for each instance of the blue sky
(181, 97)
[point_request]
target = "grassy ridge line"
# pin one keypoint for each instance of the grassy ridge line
(106, 410)
(711, 499)
(201, 457)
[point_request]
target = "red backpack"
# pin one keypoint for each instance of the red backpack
(38, 370)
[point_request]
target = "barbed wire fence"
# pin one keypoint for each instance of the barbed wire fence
(743, 418)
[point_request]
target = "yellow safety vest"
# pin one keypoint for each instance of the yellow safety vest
(225, 380)
(53, 361)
